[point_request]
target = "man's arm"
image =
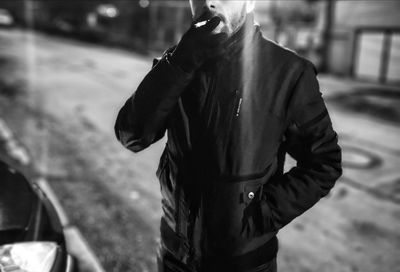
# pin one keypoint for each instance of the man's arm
(142, 120)
(312, 142)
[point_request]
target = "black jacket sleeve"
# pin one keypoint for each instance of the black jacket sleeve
(312, 142)
(142, 120)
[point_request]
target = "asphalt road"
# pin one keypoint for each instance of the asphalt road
(61, 98)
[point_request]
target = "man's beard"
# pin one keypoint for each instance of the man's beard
(237, 23)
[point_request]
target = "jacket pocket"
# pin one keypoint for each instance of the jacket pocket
(257, 215)
(257, 203)
(252, 217)
(234, 218)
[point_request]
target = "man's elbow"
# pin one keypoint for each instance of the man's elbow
(333, 171)
(129, 141)
(127, 133)
(336, 161)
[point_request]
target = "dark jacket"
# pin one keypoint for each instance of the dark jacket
(224, 191)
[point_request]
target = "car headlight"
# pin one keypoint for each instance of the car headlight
(28, 257)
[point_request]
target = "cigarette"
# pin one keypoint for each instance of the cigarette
(199, 24)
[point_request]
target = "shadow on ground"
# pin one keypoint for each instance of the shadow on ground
(376, 102)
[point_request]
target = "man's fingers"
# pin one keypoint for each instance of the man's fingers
(214, 40)
(211, 24)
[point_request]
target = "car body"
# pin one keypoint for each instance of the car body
(31, 234)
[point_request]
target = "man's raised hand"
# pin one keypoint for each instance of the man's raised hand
(198, 44)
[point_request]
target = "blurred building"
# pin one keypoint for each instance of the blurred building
(168, 20)
(350, 38)
(293, 24)
(359, 38)
(365, 40)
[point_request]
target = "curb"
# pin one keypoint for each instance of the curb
(80, 249)
(45, 187)
(76, 243)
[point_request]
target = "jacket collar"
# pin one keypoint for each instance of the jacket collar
(245, 36)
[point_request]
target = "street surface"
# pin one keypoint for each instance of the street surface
(61, 97)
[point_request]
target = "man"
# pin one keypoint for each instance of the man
(233, 103)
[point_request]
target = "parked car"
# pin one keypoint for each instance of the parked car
(31, 234)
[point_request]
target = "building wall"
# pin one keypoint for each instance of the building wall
(168, 21)
(383, 13)
(350, 16)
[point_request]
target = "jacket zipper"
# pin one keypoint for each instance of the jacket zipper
(234, 114)
(239, 106)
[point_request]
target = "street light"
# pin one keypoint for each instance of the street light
(107, 10)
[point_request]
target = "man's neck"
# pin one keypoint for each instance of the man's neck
(243, 34)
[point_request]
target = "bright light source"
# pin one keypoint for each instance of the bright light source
(28, 257)
(107, 11)
(144, 3)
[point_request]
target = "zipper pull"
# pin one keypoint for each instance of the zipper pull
(239, 106)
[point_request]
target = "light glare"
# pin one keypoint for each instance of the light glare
(28, 257)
